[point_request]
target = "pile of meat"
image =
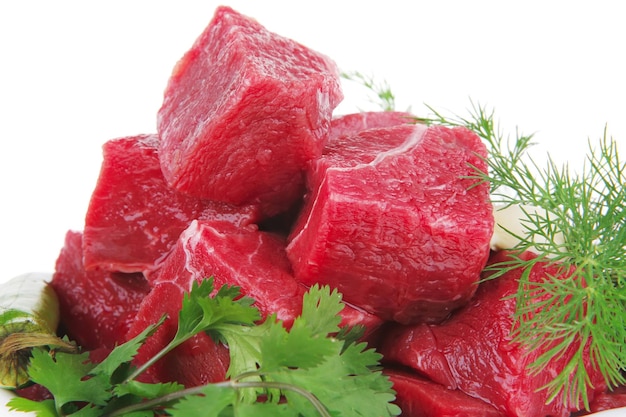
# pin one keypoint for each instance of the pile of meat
(252, 179)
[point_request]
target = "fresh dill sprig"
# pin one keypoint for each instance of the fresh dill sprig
(385, 98)
(578, 222)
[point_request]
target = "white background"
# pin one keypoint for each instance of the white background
(75, 74)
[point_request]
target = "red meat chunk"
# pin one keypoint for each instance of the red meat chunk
(473, 351)
(419, 397)
(97, 307)
(244, 111)
(608, 400)
(134, 217)
(243, 256)
(391, 222)
(351, 124)
(197, 361)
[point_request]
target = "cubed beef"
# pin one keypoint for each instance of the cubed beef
(97, 306)
(393, 222)
(251, 259)
(420, 397)
(474, 352)
(611, 399)
(255, 261)
(244, 111)
(134, 217)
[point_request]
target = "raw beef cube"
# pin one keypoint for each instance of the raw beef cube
(419, 397)
(351, 124)
(97, 307)
(244, 111)
(134, 217)
(243, 256)
(608, 400)
(197, 361)
(392, 223)
(473, 351)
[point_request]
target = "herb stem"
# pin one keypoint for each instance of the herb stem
(151, 404)
(141, 369)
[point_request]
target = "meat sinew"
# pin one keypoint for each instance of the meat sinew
(134, 217)
(473, 351)
(244, 111)
(251, 259)
(243, 256)
(392, 223)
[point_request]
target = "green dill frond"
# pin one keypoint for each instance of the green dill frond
(577, 221)
(384, 97)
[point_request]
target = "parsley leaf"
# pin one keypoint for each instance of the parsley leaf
(302, 371)
(46, 367)
(44, 408)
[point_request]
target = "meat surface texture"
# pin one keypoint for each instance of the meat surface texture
(251, 259)
(420, 397)
(97, 307)
(473, 352)
(354, 123)
(242, 256)
(392, 223)
(134, 217)
(244, 111)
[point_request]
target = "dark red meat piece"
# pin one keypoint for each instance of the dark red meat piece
(473, 352)
(34, 392)
(391, 222)
(243, 256)
(351, 124)
(134, 217)
(420, 397)
(197, 361)
(97, 307)
(244, 111)
(608, 400)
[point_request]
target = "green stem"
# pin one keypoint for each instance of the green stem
(172, 345)
(319, 406)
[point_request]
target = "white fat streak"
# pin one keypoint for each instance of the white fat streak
(190, 239)
(414, 138)
(411, 141)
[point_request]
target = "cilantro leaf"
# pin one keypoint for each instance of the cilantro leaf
(200, 312)
(320, 310)
(345, 384)
(298, 348)
(46, 367)
(214, 399)
(146, 390)
(244, 345)
(313, 369)
(40, 408)
(124, 353)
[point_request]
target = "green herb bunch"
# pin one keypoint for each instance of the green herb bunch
(573, 220)
(313, 369)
